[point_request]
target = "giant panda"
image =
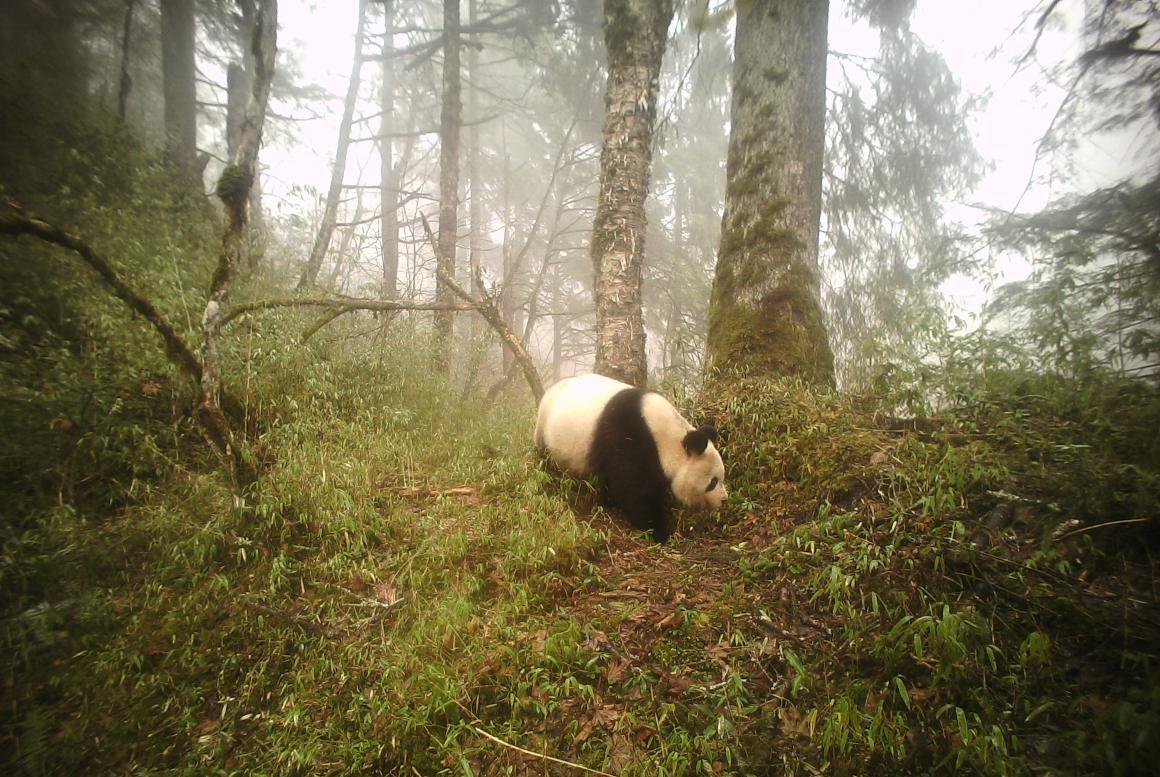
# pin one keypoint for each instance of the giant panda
(636, 443)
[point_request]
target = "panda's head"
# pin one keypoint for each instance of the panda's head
(698, 476)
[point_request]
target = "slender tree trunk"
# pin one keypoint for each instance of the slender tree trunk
(450, 119)
(233, 189)
(126, 83)
(507, 302)
(558, 325)
(475, 203)
(256, 231)
(389, 195)
(764, 312)
(334, 193)
(239, 86)
(634, 33)
(179, 85)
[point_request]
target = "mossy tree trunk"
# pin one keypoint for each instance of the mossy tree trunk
(634, 34)
(450, 119)
(764, 314)
(233, 189)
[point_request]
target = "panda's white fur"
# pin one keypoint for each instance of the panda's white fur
(594, 425)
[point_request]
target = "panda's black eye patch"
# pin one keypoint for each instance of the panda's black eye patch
(712, 485)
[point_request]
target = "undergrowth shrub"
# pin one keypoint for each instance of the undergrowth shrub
(973, 571)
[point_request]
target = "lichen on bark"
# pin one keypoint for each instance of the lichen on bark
(635, 33)
(764, 314)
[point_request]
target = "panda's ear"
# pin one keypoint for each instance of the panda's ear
(697, 440)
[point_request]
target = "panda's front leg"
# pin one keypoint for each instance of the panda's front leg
(651, 511)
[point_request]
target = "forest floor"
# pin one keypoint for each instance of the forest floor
(408, 591)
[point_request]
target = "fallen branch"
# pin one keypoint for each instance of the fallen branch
(533, 754)
(309, 626)
(466, 492)
(14, 220)
(342, 304)
(1124, 522)
(487, 308)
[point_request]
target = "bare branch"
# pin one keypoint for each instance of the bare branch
(487, 308)
(338, 303)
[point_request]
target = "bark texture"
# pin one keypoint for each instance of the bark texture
(233, 189)
(179, 86)
(450, 119)
(764, 315)
(338, 172)
(634, 35)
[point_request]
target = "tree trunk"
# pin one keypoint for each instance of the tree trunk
(634, 34)
(507, 301)
(126, 82)
(338, 172)
(475, 203)
(764, 312)
(233, 189)
(450, 118)
(389, 194)
(179, 85)
(239, 85)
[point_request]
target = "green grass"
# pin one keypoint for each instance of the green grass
(406, 585)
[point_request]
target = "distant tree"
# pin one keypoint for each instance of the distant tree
(688, 184)
(635, 34)
(1093, 298)
(125, 83)
(33, 32)
(450, 119)
(180, 85)
(764, 312)
(388, 174)
(338, 172)
(898, 148)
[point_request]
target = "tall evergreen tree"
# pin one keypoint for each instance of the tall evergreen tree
(764, 312)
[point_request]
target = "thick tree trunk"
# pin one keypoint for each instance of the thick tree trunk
(389, 193)
(634, 33)
(450, 119)
(233, 189)
(764, 312)
(179, 85)
(338, 172)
